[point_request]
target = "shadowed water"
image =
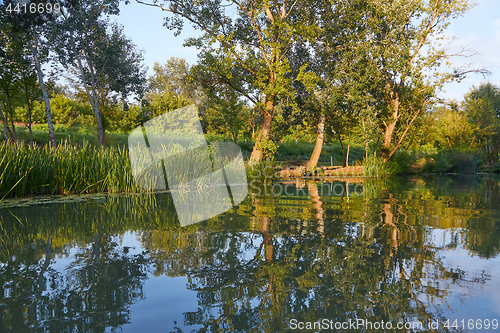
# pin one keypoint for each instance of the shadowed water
(400, 251)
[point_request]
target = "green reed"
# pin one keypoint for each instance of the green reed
(66, 169)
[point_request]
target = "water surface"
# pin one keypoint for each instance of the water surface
(400, 251)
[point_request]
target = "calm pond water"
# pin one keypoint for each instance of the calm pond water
(405, 251)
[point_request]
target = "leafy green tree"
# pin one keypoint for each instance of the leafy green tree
(107, 62)
(65, 110)
(340, 61)
(245, 45)
(223, 111)
(403, 44)
(170, 87)
(452, 128)
(10, 52)
(30, 24)
(482, 107)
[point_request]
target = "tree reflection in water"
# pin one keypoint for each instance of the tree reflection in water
(307, 254)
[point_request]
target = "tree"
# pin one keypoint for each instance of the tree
(18, 81)
(9, 74)
(403, 45)
(340, 62)
(482, 107)
(223, 111)
(106, 61)
(245, 45)
(452, 128)
(30, 89)
(29, 24)
(170, 87)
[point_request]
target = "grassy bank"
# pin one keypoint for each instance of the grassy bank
(67, 169)
(290, 151)
(79, 166)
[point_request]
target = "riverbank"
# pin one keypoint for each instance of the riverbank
(86, 168)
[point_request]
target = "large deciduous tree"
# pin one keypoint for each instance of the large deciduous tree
(340, 61)
(482, 107)
(404, 42)
(106, 61)
(170, 87)
(245, 45)
(29, 22)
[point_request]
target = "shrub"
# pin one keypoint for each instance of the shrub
(451, 161)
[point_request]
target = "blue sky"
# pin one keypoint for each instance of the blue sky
(478, 30)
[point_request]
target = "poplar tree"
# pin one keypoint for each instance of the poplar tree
(245, 45)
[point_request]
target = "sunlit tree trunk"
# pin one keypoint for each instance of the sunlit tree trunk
(313, 161)
(389, 128)
(29, 111)
(264, 133)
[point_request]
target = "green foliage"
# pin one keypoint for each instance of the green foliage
(304, 131)
(376, 167)
(451, 161)
(268, 148)
(119, 119)
(76, 135)
(37, 113)
(401, 162)
(169, 88)
(482, 107)
(64, 109)
(451, 128)
(63, 170)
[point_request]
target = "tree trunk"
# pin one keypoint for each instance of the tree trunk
(48, 113)
(389, 131)
(343, 152)
(264, 133)
(366, 138)
(6, 131)
(94, 101)
(348, 148)
(100, 127)
(389, 128)
(313, 161)
(14, 136)
(29, 112)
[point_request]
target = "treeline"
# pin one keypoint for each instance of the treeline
(359, 72)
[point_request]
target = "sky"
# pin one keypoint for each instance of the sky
(478, 30)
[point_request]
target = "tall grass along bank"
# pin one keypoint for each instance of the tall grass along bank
(66, 169)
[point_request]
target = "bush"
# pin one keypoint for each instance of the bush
(451, 161)
(401, 162)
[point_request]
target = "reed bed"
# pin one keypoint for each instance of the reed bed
(66, 169)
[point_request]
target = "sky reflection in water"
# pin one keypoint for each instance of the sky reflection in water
(401, 250)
